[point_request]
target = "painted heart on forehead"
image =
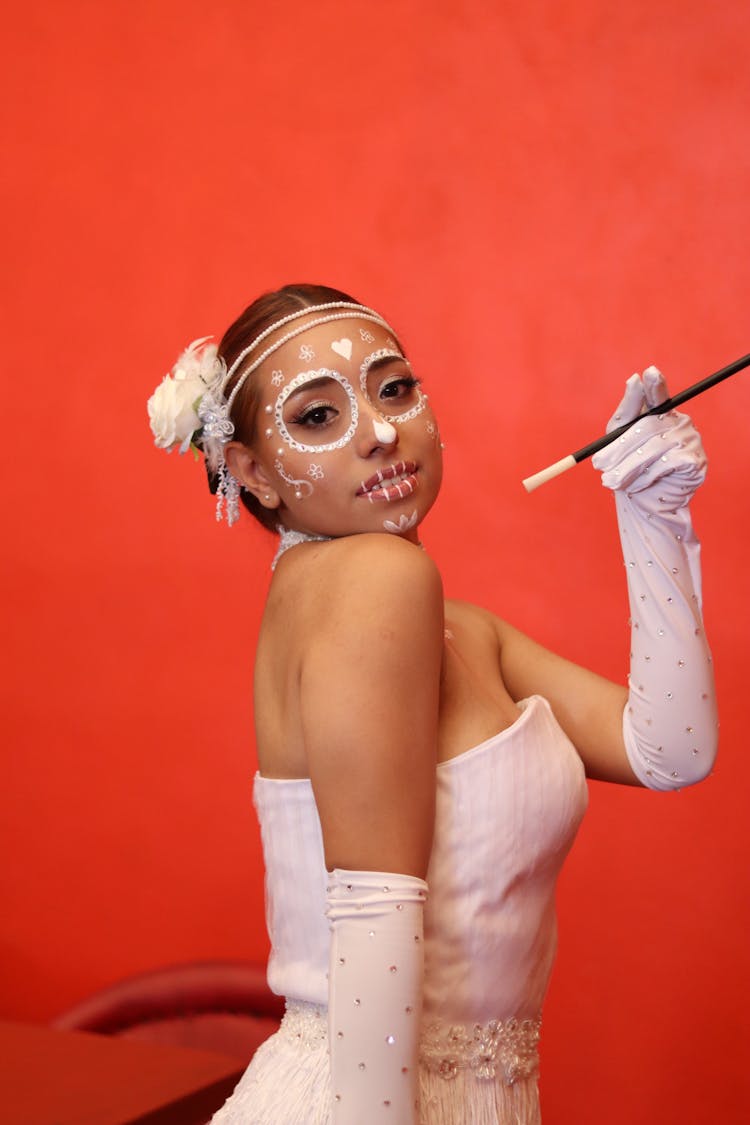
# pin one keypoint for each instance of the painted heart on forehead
(342, 347)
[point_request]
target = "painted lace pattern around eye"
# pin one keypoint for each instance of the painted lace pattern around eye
(504, 1049)
(407, 415)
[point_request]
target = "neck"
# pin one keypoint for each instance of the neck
(290, 538)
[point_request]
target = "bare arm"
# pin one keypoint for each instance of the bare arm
(369, 696)
(588, 707)
(662, 732)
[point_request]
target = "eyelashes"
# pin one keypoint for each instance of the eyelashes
(321, 413)
(316, 415)
(398, 386)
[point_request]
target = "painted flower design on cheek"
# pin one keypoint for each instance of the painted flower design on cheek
(306, 352)
(434, 433)
(302, 488)
(316, 472)
(367, 336)
(277, 378)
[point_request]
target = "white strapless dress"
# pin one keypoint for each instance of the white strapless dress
(506, 815)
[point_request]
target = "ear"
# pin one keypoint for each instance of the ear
(244, 465)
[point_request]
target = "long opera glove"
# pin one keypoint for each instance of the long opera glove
(670, 722)
(375, 996)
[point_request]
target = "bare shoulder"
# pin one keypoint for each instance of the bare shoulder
(359, 574)
(371, 632)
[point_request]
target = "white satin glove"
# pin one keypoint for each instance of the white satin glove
(654, 468)
(375, 996)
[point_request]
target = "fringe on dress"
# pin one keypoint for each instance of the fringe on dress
(288, 1083)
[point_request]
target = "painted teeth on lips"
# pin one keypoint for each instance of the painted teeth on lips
(393, 483)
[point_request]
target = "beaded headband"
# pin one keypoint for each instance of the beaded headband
(191, 405)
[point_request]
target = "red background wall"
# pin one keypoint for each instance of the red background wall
(543, 198)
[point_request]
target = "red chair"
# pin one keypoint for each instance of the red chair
(223, 1006)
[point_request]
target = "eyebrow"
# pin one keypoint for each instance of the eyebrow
(313, 384)
(323, 380)
(385, 360)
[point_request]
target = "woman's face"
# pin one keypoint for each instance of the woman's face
(345, 434)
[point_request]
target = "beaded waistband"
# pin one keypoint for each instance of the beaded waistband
(500, 1050)
(306, 1024)
(504, 1049)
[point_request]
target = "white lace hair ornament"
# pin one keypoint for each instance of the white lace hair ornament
(190, 406)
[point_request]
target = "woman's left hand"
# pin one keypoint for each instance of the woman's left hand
(666, 736)
(660, 449)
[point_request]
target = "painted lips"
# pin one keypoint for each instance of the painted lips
(393, 483)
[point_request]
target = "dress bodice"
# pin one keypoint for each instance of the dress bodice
(506, 815)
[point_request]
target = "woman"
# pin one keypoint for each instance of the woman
(421, 763)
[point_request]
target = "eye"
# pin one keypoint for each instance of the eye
(316, 415)
(398, 387)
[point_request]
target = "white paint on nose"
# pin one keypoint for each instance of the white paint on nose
(384, 432)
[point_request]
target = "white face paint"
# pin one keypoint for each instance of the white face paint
(318, 411)
(376, 390)
(300, 381)
(302, 488)
(384, 432)
(343, 348)
(396, 397)
(404, 523)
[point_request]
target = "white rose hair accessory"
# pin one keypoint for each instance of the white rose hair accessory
(173, 407)
(191, 406)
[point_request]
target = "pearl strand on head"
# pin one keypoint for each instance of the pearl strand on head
(354, 312)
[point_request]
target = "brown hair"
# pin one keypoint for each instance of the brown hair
(265, 311)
